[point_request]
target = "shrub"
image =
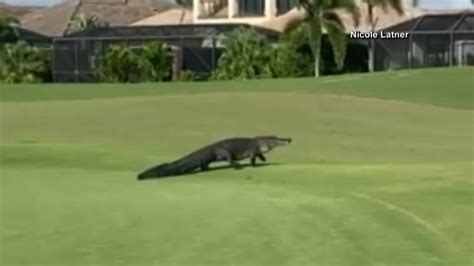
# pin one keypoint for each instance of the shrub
(154, 61)
(293, 56)
(21, 63)
(187, 75)
(118, 64)
(247, 55)
(122, 64)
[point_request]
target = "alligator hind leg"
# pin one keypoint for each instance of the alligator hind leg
(236, 165)
(204, 167)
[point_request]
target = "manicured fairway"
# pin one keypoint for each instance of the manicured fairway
(380, 173)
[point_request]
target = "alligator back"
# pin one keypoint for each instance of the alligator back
(239, 148)
(185, 164)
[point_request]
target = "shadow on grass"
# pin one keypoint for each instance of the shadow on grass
(216, 168)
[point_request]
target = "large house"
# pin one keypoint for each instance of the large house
(271, 14)
(246, 11)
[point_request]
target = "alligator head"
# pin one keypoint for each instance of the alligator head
(268, 143)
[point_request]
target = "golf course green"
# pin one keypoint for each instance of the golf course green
(380, 172)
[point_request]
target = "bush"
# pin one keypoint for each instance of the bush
(149, 64)
(247, 55)
(154, 61)
(293, 56)
(118, 64)
(21, 63)
(187, 75)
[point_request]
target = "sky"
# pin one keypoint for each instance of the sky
(423, 3)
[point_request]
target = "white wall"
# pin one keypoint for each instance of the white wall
(269, 12)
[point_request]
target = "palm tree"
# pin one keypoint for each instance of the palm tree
(384, 4)
(82, 22)
(320, 14)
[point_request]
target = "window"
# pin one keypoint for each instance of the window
(251, 7)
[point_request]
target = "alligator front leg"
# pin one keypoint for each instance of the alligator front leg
(223, 154)
(254, 156)
(253, 159)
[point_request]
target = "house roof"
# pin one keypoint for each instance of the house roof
(164, 31)
(53, 21)
(18, 11)
(459, 22)
(173, 16)
(50, 21)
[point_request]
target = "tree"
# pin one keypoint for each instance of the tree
(82, 22)
(247, 55)
(384, 4)
(21, 63)
(8, 27)
(320, 14)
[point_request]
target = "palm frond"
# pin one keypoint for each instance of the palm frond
(330, 15)
(397, 5)
(337, 37)
(373, 3)
(349, 6)
(294, 24)
(83, 22)
(308, 6)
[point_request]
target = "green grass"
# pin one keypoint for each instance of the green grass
(380, 173)
(443, 87)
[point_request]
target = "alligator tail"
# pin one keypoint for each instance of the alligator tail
(177, 167)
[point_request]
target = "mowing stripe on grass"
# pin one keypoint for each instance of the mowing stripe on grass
(400, 210)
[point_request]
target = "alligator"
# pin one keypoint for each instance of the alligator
(230, 150)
